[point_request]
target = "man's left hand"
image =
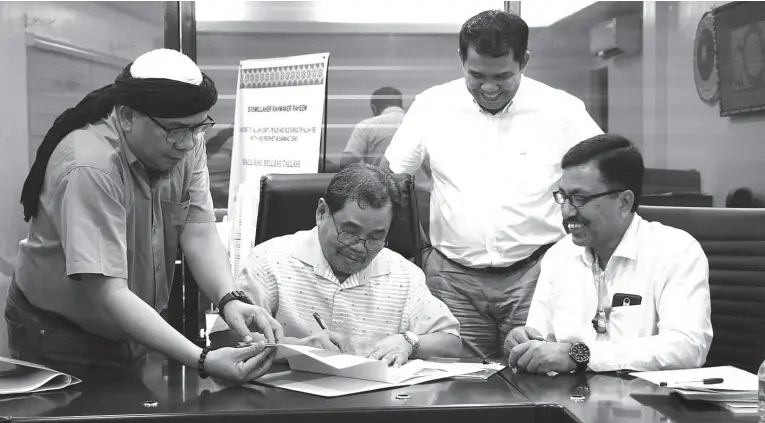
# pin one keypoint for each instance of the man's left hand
(542, 357)
(393, 350)
(241, 316)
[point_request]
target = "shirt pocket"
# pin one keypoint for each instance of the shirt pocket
(627, 322)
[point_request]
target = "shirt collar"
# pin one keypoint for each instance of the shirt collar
(308, 250)
(627, 247)
(392, 109)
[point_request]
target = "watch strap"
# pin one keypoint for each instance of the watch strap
(411, 339)
(231, 296)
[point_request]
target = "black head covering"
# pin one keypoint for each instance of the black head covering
(156, 97)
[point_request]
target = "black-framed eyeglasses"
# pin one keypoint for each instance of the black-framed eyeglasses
(347, 238)
(577, 200)
(176, 136)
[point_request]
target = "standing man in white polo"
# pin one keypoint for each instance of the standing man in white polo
(494, 140)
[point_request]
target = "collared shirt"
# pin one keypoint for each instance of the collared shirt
(372, 136)
(290, 277)
(101, 213)
(670, 329)
(493, 175)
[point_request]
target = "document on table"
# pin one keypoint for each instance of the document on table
(329, 374)
(23, 377)
(737, 386)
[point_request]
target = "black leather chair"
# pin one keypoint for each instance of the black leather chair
(734, 242)
(288, 204)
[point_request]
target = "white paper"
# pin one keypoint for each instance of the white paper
(335, 386)
(734, 379)
(316, 360)
(23, 377)
(329, 374)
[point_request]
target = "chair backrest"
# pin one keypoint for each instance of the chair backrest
(734, 242)
(288, 204)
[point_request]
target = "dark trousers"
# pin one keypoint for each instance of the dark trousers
(46, 338)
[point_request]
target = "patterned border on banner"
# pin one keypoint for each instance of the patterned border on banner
(283, 76)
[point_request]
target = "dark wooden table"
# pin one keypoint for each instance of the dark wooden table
(179, 395)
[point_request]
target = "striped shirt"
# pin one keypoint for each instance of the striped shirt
(290, 277)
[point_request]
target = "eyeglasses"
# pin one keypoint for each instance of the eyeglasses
(176, 136)
(347, 238)
(581, 200)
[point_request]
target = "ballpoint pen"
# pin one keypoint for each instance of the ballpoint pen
(319, 321)
(708, 381)
(484, 359)
(267, 345)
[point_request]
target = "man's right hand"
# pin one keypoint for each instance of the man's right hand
(326, 340)
(240, 365)
(520, 335)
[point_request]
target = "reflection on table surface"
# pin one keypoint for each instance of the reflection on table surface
(176, 393)
(596, 398)
(178, 390)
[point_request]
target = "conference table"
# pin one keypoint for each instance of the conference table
(167, 392)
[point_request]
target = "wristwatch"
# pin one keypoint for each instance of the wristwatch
(414, 340)
(580, 353)
(231, 296)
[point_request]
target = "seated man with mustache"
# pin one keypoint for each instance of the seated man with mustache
(374, 302)
(618, 292)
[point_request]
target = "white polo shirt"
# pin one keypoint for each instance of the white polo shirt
(290, 277)
(666, 267)
(493, 175)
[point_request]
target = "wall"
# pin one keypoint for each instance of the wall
(14, 157)
(653, 99)
(728, 151)
(359, 64)
(560, 58)
(51, 55)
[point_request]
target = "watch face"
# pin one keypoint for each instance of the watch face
(580, 352)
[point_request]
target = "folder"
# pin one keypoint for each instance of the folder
(23, 377)
(329, 374)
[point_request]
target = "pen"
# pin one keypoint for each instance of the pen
(709, 381)
(485, 359)
(319, 321)
(476, 351)
(267, 345)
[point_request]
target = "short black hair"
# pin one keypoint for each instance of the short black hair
(386, 97)
(369, 186)
(495, 33)
(618, 160)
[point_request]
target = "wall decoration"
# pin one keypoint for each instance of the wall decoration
(740, 34)
(705, 60)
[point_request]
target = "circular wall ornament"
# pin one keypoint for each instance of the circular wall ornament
(705, 60)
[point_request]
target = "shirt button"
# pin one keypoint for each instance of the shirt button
(154, 229)
(159, 266)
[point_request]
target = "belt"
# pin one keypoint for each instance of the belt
(520, 264)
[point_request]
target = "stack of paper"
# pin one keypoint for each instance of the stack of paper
(741, 407)
(23, 377)
(329, 374)
(737, 386)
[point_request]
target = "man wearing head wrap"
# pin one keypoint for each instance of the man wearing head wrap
(118, 182)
